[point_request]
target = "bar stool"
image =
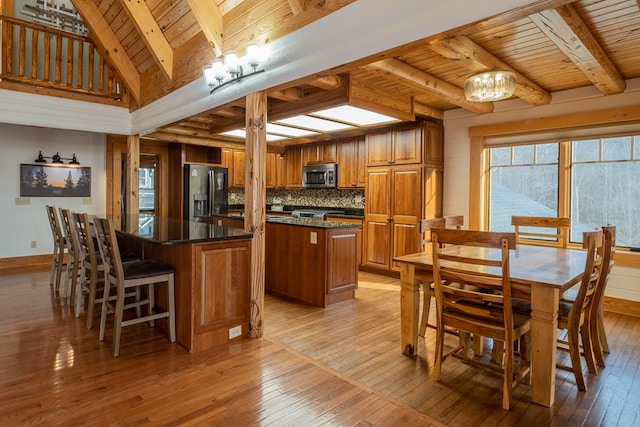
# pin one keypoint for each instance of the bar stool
(59, 247)
(122, 277)
(73, 254)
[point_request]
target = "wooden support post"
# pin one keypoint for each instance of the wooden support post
(132, 180)
(255, 199)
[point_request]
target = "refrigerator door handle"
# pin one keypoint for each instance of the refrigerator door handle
(211, 190)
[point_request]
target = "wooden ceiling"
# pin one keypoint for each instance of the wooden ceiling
(551, 45)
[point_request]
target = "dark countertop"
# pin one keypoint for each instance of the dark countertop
(304, 222)
(354, 213)
(169, 231)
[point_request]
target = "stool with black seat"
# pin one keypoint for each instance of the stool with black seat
(122, 277)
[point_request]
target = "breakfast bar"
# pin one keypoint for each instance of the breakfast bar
(212, 265)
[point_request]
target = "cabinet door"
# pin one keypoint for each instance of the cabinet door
(361, 163)
(272, 170)
(281, 171)
(327, 152)
(405, 211)
(347, 164)
(310, 154)
(222, 294)
(238, 169)
(407, 145)
(379, 149)
(226, 160)
(377, 224)
(293, 160)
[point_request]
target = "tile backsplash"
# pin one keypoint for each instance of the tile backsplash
(324, 197)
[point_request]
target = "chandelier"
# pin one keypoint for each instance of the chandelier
(490, 86)
(230, 68)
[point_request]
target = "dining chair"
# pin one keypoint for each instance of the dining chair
(73, 255)
(122, 277)
(537, 230)
(575, 317)
(59, 248)
(426, 280)
(484, 309)
(598, 333)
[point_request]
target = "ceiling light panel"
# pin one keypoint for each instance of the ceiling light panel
(242, 133)
(354, 115)
(314, 123)
(288, 131)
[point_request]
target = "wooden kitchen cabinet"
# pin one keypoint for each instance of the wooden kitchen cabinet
(319, 153)
(392, 215)
(400, 146)
(352, 171)
(233, 160)
(276, 171)
(293, 162)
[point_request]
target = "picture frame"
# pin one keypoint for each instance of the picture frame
(54, 180)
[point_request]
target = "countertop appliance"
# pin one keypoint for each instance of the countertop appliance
(205, 192)
(320, 176)
(314, 213)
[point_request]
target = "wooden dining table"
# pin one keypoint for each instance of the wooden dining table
(538, 273)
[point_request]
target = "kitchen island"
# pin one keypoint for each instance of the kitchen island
(212, 265)
(308, 260)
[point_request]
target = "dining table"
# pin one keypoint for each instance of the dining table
(538, 273)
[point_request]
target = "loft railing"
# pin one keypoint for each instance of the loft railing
(37, 55)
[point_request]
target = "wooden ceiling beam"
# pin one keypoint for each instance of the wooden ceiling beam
(196, 140)
(329, 82)
(291, 94)
(108, 45)
(475, 58)
(152, 35)
(297, 7)
(421, 80)
(423, 110)
(567, 30)
(209, 18)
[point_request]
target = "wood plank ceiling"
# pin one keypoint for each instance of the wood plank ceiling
(551, 45)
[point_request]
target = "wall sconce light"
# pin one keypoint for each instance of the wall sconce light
(229, 68)
(56, 158)
(490, 86)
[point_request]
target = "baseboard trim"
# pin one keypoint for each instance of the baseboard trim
(621, 306)
(25, 261)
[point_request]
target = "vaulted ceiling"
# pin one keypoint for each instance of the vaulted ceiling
(158, 46)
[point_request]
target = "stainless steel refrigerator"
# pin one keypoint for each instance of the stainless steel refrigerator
(206, 192)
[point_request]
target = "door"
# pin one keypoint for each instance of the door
(405, 212)
(377, 224)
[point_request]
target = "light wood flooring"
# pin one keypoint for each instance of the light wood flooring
(337, 366)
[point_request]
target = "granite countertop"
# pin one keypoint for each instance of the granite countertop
(304, 222)
(170, 231)
(355, 213)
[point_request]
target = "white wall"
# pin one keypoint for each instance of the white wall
(22, 224)
(625, 282)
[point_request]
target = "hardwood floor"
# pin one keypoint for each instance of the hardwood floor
(336, 366)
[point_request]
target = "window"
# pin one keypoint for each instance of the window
(146, 189)
(600, 184)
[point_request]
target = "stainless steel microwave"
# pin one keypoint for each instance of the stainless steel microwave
(320, 176)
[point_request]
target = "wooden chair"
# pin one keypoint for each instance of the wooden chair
(598, 334)
(448, 221)
(483, 310)
(92, 268)
(426, 280)
(576, 317)
(540, 236)
(73, 254)
(122, 277)
(59, 248)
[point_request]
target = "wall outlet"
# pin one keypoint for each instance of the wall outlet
(314, 237)
(289, 197)
(34, 244)
(234, 332)
(87, 201)
(358, 199)
(23, 201)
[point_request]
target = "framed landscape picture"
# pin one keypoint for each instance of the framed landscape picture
(53, 180)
